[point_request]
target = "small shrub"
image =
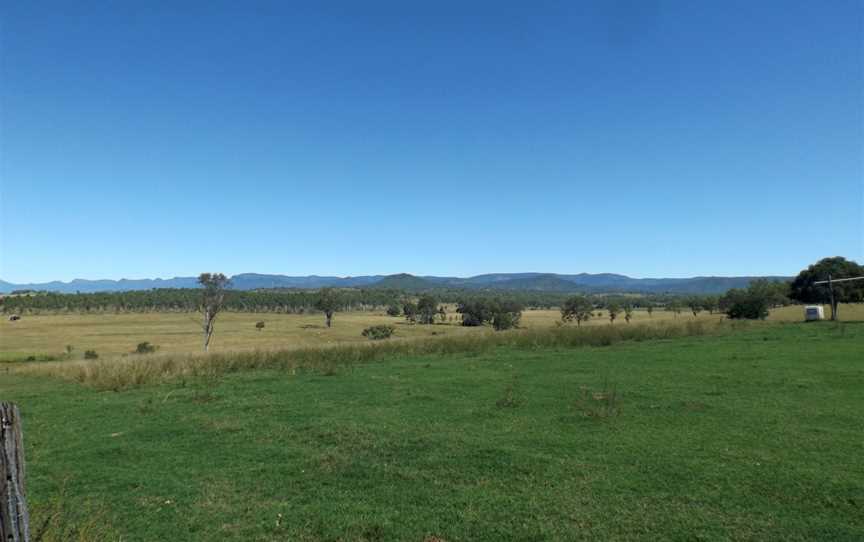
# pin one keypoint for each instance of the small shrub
(511, 397)
(394, 310)
(259, 325)
(376, 333)
(32, 357)
(504, 320)
(145, 348)
(598, 404)
(206, 392)
(90, 354)
(69, 349)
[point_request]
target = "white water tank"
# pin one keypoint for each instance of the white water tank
(813, 312)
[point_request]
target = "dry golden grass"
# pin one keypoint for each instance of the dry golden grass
(131, 371)
(113, 335)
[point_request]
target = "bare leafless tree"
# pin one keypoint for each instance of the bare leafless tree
(212, 297)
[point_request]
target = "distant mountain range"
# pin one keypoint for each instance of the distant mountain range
(539, 282)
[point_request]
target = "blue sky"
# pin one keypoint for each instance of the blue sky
(451, 138)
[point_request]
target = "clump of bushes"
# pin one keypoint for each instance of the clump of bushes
(90, 354)
(376, 333)
(145, 348)
(751, 303)
(502, 314)
(394, 310)
(260, 325)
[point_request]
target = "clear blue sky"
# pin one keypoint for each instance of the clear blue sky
(451, 138)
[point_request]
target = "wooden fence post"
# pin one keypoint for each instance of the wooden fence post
(14, 521)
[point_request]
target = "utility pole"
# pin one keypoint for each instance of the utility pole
(830, 284)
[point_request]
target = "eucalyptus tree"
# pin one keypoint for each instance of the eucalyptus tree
(578, 308)
(427, 309)
(614, 309)
(628, 312)
(695, 305)
(409, 309)
(213, 286)
(327, 302)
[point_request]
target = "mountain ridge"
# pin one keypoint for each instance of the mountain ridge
(547, 282)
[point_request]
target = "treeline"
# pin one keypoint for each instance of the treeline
(347, 299)
(189, 300)
(275, 300)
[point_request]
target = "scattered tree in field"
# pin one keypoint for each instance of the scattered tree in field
(614, 309)
(442, 313)
(259, 325)
(410, 311)
(212, 298)
(577, 308)
(674, 306)
(779, 292)
(427, 308)
(803, 290)
(90, 354)
(475, 312)
(628, 312)
(328, 303)
(506, 315)
(711, 303)
(695, 305)
(649, 308)
(394, 310)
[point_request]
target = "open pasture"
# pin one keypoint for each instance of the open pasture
(751, 434)
(47, 335)
(116, 334)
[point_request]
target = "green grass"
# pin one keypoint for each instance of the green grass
(751, 435)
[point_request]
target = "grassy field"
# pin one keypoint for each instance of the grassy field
(753, 434)
(111, 335)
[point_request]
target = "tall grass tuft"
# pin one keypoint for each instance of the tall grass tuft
(135, 371)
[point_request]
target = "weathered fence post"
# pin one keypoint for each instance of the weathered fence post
(14, 521)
